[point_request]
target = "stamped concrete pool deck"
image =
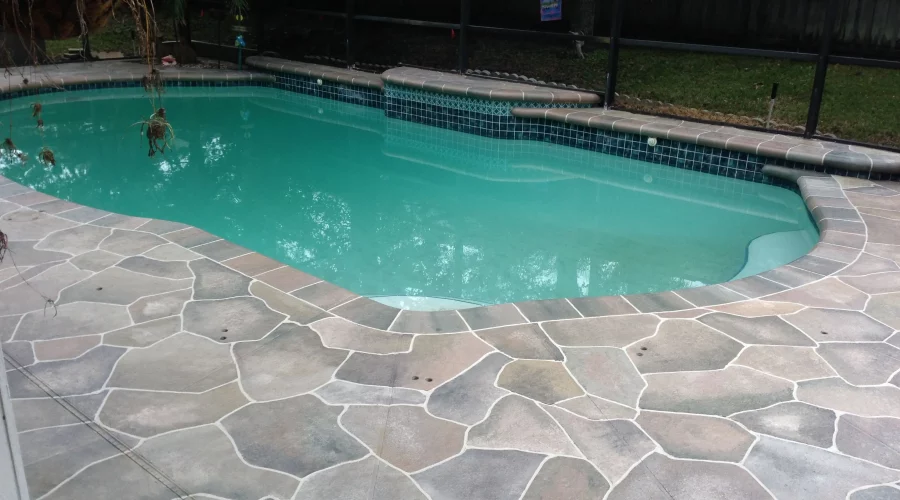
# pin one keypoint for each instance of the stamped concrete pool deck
(176, 364)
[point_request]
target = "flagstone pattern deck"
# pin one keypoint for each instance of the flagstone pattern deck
(177, 363)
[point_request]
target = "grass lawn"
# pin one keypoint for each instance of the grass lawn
(859, 103)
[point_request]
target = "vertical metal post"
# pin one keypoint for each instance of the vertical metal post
(12, 470)
(86, 48)
(351, 13)
(612, 62)
(465, 10)
(259, 25)
(815, 102)
(219, 43)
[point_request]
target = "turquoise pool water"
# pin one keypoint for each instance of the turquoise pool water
(386, 207)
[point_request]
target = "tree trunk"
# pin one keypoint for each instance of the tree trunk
(20, 51)
(584, 16)
(54, 19)
(184, 48)
(583, 21)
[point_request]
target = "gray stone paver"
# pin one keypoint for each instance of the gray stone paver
(406, 437)
(862, 363)
(342, 334)
(75, 241)
(522, 341)
(837, 394)
(215, 281)
(722, 392)
(96, 260)
(147, 413)
(52, 455)
(594, 408)
(544, 381)
(119, 286)
(367, 479)
(52, 350)
(72, 320)
(481, 475)
(297, 446)
(82, 375)
(467, 398)
(661, 478)
(684, 345)
(874, 439)
(877, 493)
(696, 436)
(605, 372)
(868, 264)
(794, 421)
(519, 423)
(128, 243)
(201, 459)
(144, 334)
(27, 255)
(885, 308)
(505, 406)
(792, 363)
(792, 470)
(416, 369)
(158, 268)
(340, 392)
(22, 298)
(613, 446)
(562, 478)
(159, 306)
(767, 330)
(615, 331)
(828, 325)
(230, 320)
(295, 309)
(181, 363)
(270, 368)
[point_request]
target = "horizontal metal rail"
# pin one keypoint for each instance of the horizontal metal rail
(406, 22)
(864, 61)
(539, 34)
(719, 49)
(312, 12)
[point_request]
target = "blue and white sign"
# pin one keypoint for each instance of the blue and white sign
(551, 10)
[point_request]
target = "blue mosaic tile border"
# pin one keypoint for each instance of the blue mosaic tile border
(462, 114)
(352, 94)
(493, 159)
(718, 161)
(131, 84)
(396, 96)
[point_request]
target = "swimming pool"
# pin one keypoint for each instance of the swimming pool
(386, 207)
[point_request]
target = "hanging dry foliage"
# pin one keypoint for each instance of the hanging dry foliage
(47, 157)
(4, 245)
(158, 132)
